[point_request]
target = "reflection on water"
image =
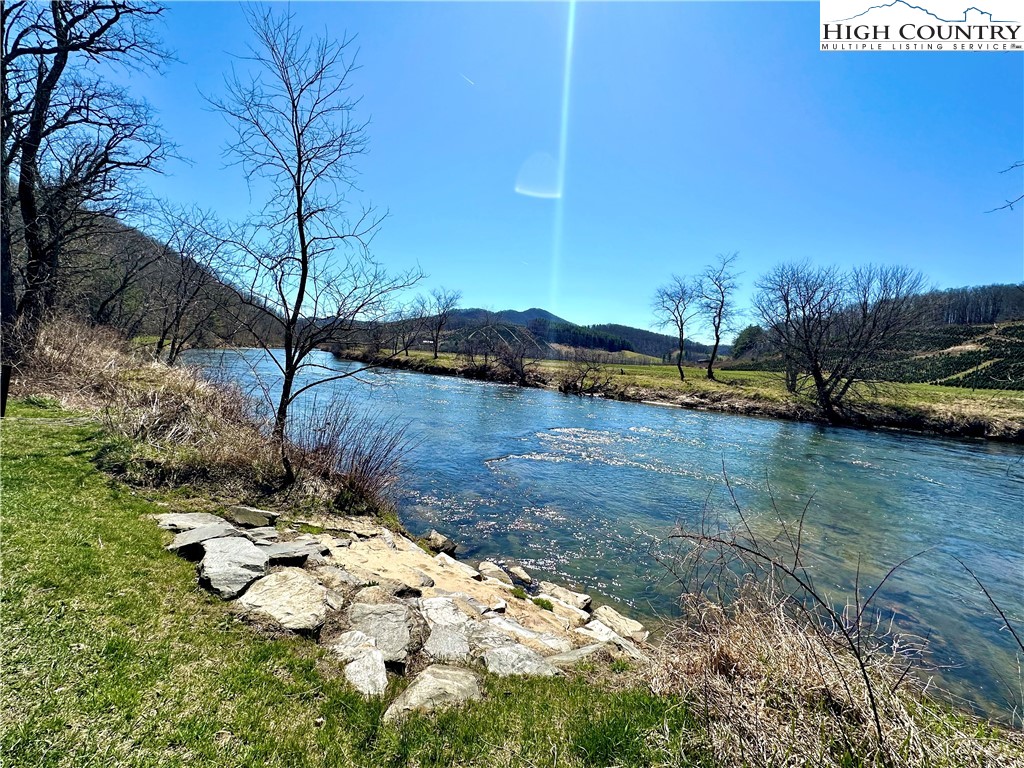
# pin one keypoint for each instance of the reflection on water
(577, 488)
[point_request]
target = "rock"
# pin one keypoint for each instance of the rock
(619, 647)
(575, 599)
(447, 644)
(446, 561)
(519, 574)
(441, 543)
(389, 540)
(572, 615)
(483, 637)
(176, 522)
(291, 597)
(442, 612)
(425, 581)
(576, 655)
(293, 552)
(189, 544)
(367, 673)
(494, 571)
(265, 535)
(621, 625)
(230, 565)
(596, 630)
(250, 517)
(351, 645)
(399, 588)
(549, 643)
(437, 686)
(390, 625)
(517, 660)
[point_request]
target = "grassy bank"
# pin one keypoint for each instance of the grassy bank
(926, 408)
(113, 656)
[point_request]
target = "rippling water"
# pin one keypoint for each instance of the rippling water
(576, 488)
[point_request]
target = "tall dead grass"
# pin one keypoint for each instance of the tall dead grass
(174, 426)
(779, 676)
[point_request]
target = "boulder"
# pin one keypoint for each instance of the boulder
(447, 644)
(250, 517)
(539, 640)
(517, 660)
(621, 625)
(176, 522)
(436, 686)
(447, 561)
(498, 605)
(441, 543)
(443, 612)
(349, 646)
(367, 673)
(575, 599)
(520, 575)
(375, 595)
(189, 544)
(576, 655)
(390, 625)
(336, 577)
(291, 597)
(230, 565)
(596, 630)
(265, 535)
(494, 571)
(293, 552)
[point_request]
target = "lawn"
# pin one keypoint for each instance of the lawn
(112, 656)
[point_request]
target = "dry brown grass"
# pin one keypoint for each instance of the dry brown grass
(173, 426)
(770, 690)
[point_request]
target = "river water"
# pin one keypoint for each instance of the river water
(576, 489)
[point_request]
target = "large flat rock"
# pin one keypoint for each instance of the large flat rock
(450, 644)
(189, 544)
(294, 552)
(229, 565)
(176, 522)
(620, 624)
(291, 597)
(391, 625)
(435, 687)
(251, 517)
(512, 660)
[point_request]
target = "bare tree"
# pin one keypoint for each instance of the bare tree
(71, 139)
(717, 287)
(303, 260)
(833, 326)
(586, 373)
(517, 352)
(188, 289)
(436, 311)
(1010, 203)
(675, 305)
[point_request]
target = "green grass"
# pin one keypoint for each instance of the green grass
(544, 603)
(112, 656)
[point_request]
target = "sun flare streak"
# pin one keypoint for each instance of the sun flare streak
(563, 145)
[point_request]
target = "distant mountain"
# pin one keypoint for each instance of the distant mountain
(473, 316)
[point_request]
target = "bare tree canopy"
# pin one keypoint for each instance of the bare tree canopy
(303, 259)
(436, 310)
(717, 287)
(832, 326)
(1010, 203)
(72, 140)
(675, 305)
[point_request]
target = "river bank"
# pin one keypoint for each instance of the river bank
(914, 409)
(149, 668)
(119, 651)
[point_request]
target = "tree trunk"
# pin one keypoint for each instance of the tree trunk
(714, 354)
(280, 420)
(679, 360)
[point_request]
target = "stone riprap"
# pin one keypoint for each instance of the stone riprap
(382, 605)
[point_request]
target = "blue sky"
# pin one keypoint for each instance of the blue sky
(692, 129)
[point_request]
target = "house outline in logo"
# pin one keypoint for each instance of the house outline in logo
(909, 6)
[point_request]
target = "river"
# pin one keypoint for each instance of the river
(577, 489)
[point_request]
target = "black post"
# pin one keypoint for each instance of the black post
(5, 383)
